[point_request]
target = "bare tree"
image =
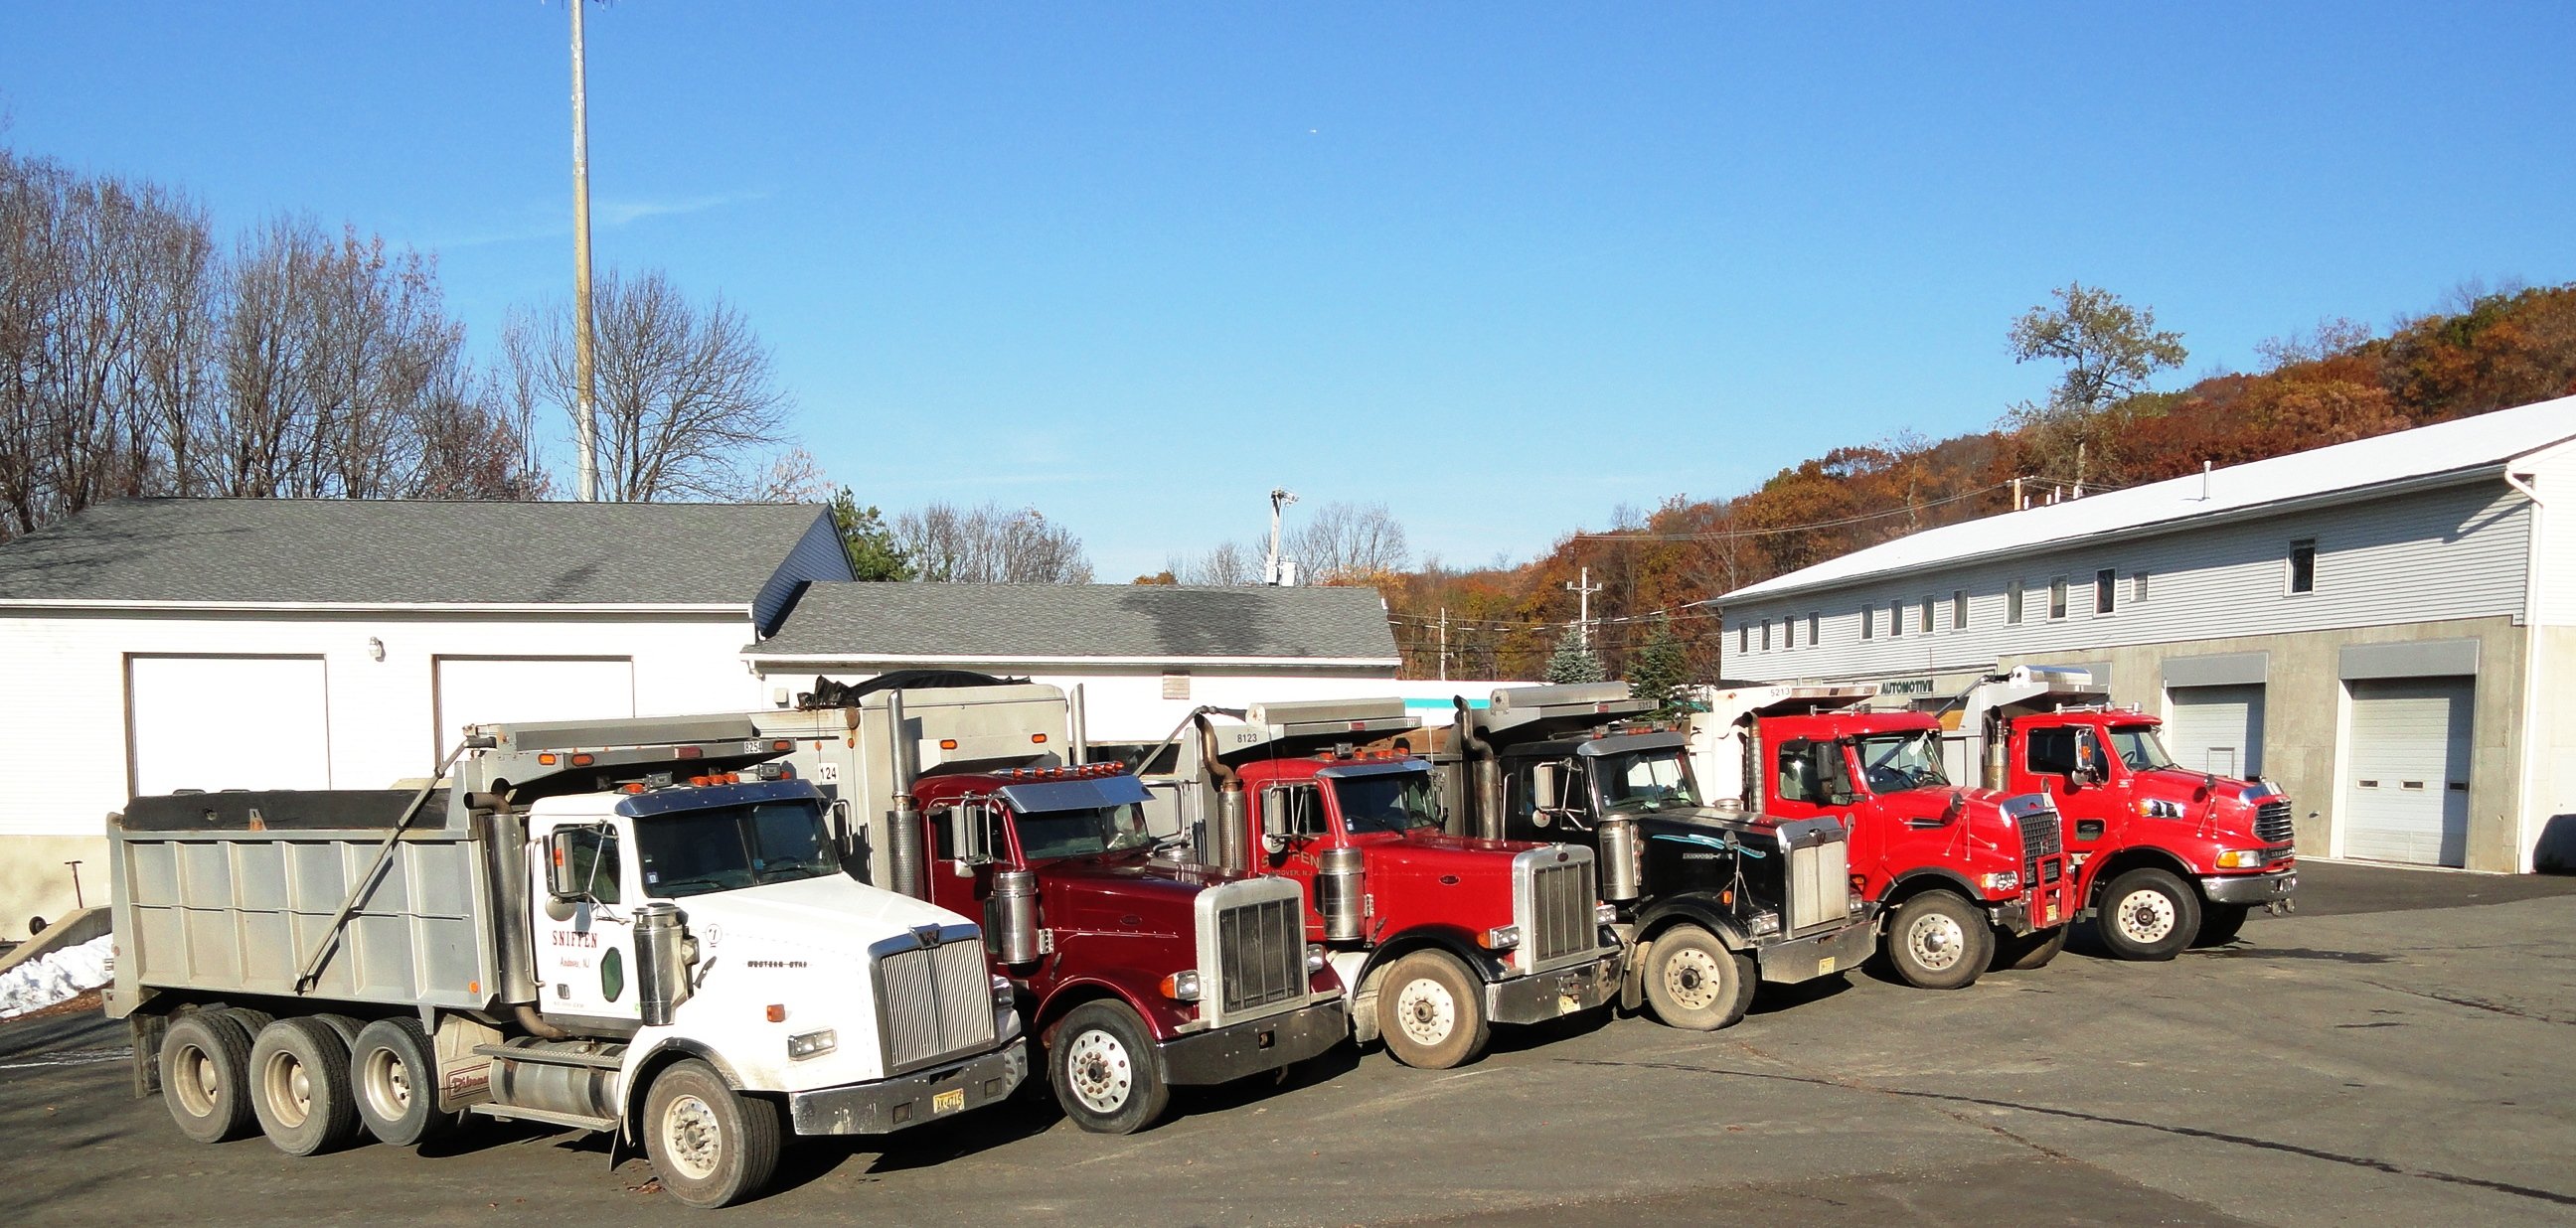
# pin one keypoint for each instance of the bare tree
(689, 407)
(989, 544)
(1348, 543)
(1228, 564)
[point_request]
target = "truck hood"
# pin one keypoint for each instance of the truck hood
(832, 914)
(1104, 890)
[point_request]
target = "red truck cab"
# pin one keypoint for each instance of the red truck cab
(1964, 878)
(1439, 936)
(1137, 972)
(2164, 858)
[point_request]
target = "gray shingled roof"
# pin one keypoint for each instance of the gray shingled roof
(364, 552)
(862, 621)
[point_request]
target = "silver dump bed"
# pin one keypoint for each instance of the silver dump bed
(233, 893)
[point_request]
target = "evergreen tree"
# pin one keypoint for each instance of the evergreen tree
(1572, 662)
(1658, 672)
(870, 543)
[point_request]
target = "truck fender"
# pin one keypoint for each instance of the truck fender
(640, 1072)
(1926, 878)
(1363, 994)
(1696, 908)
(1060, 1002)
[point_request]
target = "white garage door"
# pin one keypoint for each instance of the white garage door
(2406, 797)
(228, 723)
(485, 690)
(2217, 729)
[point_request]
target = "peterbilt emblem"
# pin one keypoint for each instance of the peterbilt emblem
(927, 934)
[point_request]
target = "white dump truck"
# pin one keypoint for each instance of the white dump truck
(638, 928)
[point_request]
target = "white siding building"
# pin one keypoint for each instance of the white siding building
(161, 644)
(2385, 627)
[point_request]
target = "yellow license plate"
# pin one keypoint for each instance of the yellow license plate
(1825, 965)
(2052, 914)
(947, 1102)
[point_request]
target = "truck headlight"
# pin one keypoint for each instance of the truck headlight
(1002, 996)
(1182, 986)
(1605, 914)
(1766, 923)
(1502, 937)
(2243, 859)
(2008, 880)
(812, 1044)
(1314, 958)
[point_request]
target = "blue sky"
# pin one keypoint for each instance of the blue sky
(1501, 267)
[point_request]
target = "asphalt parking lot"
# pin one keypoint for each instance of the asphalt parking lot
(2401, 1051)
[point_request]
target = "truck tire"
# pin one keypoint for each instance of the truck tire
(2029, 952)
(1695, 983)
(1431, 1012)
(205, 1076)
(2219, 924)
(393, 1075)
(299, 1085)
(344, 1027)
(711, 1146)
(2148, 914)
(1938, 940)
(1104, 1071)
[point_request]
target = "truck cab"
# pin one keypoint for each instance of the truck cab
(1440, 936)
(1965, 878)
(2163, 857)
(1138, 972)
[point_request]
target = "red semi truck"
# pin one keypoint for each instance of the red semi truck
(2164, 857)
(1964, 878)
(1439, 937)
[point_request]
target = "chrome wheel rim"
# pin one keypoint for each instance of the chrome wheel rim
(2145, 916)
(1935, 942)
(386, 1083)
(288, 1088)
(1692, 977)
(1425, 1011)
(692, 1137)
(1100, 1070)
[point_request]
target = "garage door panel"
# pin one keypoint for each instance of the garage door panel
(489, 690)
(2217, 729)
(2406, 789)
(228, 722)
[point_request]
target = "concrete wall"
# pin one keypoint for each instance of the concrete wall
(2551, 817)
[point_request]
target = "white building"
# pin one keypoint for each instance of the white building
(1143, 654)
(158, 644)
(2387, 627)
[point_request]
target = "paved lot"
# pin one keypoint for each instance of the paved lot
(2402, 1051)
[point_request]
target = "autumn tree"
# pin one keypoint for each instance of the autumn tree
(2110, 350)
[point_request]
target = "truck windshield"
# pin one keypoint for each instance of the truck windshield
(1077, 833)
(2139, 749)
(1644, 779)
(1896, 762)
(693, 852)
(1398, 801)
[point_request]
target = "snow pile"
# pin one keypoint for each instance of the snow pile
(58, 977)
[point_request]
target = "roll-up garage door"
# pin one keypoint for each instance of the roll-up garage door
(2217, 729)
(2406, 792)
(218, 723)
(486, 690)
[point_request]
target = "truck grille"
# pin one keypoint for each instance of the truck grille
(1819, 887)
(1558, 924)
(2272, 823)
(1261, 955)
(2041, 845)
(937, 1000)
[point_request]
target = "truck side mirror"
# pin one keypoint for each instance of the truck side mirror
(2088, 757)
(966, 832)
(572, 875)
(1833, 776)
(1275, 827)
(1545, 788)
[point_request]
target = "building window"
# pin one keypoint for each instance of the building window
(2057, 597)
(1865, 613)
(1959, 610)
(1895, 619)
(1744, 638)
(2106, 589)
(2012, 602)
(1815, 625)
(1789, 632)
(2137, 587)
(1924, 624)
(2303, 565)
(1766, 635)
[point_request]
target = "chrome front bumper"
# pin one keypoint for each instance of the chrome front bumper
(895, 1104)
(1256, 1045)
(1550, 995)
(1792, 960)
(2251, 889)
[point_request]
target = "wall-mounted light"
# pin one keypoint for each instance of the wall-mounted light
(375, 648)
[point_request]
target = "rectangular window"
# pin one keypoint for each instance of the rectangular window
(2137, 587)
(1788, 633)
(1959, 610)
(1766, 635)
(1744, 638)
(2012, 602)
(2303, 565)
(1815, 625)
(1865, 613)
(2106, 589)
(1895, 619)
(2057, 597)
(1924, 623)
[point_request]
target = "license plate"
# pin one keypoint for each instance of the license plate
(1825, 965)
(947, 1102)
(2052, 914)
(1567, 1004)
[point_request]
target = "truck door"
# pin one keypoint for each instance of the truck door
(1802, 777)
(2053, 759)
(584, 888)
(962, 882)
(1300, 814)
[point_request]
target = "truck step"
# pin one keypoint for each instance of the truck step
(553, 1057)
(512, 1112)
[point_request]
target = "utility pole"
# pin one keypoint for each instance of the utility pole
(585, 403)
(1584, 589)
(1444, 643)
(1280, 496)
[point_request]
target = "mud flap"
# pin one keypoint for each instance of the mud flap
(1632, 976)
